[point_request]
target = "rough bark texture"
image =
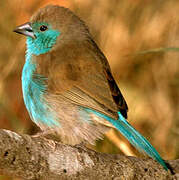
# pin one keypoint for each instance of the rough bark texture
(36, 158)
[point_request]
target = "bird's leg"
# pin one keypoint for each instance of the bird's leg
(49, 136)
(40, 134)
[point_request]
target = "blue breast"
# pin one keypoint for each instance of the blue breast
(34, 91)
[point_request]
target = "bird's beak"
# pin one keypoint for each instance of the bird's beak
(25, 29)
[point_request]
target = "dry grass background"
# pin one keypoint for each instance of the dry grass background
(122, 29)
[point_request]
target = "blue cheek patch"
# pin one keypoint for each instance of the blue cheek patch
(43, 43)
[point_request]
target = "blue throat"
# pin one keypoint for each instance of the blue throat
(33, 84)
(43, 43)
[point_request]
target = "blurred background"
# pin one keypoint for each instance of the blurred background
(140, 40)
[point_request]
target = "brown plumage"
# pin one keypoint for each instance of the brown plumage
(78, 76)
(75, 75)
(76, 66)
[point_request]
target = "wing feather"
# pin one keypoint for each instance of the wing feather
(81, 74)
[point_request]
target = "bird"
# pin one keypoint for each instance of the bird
(67, 84)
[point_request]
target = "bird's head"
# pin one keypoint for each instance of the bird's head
(50, 26)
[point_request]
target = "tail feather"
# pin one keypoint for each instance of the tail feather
(134, 137)
(137, 140)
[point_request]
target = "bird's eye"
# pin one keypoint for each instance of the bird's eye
(43, 28)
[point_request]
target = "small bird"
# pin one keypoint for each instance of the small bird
(67, 84)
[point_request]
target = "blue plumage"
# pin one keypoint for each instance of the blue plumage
(134, 137)
(44, 42)
(34, 89)
(33, 84)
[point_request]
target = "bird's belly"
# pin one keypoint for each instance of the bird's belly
(76, 123)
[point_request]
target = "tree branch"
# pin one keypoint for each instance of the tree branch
(35, 158)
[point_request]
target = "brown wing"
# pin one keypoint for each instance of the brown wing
(115, 91)
(116, 94)
(81, 75)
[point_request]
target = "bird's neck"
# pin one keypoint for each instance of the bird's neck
(34, 92)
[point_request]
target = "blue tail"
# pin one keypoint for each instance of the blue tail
(134, 137)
